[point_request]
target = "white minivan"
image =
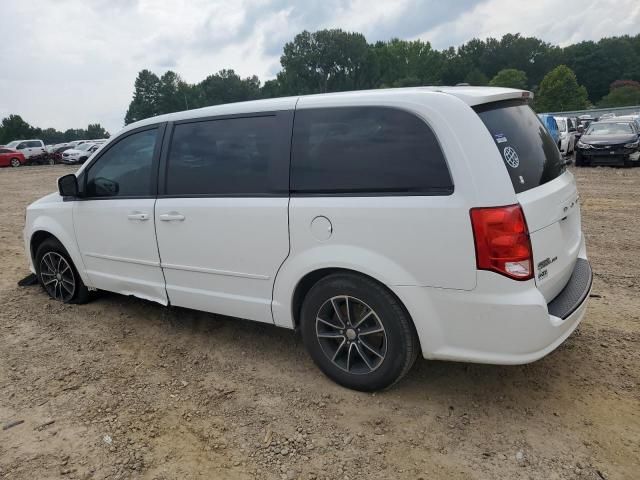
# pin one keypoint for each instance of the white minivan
(380, 224)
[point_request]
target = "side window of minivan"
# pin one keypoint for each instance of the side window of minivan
(124, 170)
(229, 156)
(366, 150)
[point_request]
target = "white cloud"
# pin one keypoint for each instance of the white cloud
(557, 22)
(71, 62)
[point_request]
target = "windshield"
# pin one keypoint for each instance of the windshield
(84, 146)
(610, 128)
(530, 154)
(13, 144)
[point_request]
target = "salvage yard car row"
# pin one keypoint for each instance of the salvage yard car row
(609, 140)
(34, 152)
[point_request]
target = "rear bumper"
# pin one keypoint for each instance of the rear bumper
(514, 326)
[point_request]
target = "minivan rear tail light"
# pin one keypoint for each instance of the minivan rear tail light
(502, 241)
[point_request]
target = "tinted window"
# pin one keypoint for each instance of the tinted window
(34, 144)
(22, 146)
(366, 150)
(124, 169)
(530, 154)
(235, 156)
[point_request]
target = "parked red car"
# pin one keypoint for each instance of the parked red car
(11, 158)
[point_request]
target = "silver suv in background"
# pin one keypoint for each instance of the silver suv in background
(29, 148)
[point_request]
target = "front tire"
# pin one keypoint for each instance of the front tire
(15, 162)
(58, 275)
(357, 332)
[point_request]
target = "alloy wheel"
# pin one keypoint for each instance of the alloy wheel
(15, 162)
(57, 276)
(351, 334)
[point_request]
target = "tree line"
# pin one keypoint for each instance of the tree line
(603, 73)
(14, 127)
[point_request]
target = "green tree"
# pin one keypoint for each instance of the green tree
(598, 64)
(510, 78)
(624, 93)
(145, 97)
(476, 78)
(172, 94)
(325, 61)
(404, 63)
(272, 89)
(50, 136)
(559, 91)
(95, 130)
(226, 86)
(74, 134)
(14, 127)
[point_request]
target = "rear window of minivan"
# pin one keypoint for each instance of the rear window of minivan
(529, 153)
(366, 151)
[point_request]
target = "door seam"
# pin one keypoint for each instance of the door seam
(275, 277)
(155, 230)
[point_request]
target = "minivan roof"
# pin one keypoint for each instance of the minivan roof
(472, 96)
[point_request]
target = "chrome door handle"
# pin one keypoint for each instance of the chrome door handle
(138, 216)
(171, 217)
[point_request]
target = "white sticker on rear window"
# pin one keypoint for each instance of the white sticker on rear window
(500, 138)
(511, 157)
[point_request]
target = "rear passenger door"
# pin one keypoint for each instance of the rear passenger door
(222, 212)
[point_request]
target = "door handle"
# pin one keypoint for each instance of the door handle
(138, 216)
(171, 217)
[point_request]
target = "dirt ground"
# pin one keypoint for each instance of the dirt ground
(135, 390)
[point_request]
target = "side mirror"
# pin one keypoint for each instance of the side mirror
(68, 185)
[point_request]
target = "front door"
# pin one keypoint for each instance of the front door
(222, 213)
(114, 220)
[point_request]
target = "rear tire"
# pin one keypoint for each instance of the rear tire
(357, 332)
(58, 275)
(15, 162)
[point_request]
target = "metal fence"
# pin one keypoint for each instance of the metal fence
(597, 112)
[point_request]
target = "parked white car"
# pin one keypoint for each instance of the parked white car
(79, 154)
(567, 130)
(29, 148)
(380, 224)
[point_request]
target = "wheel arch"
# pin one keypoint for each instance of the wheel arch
(37, 238)
(44, 228)
(306, 283)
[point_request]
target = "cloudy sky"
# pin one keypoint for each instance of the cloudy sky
(66, 63)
